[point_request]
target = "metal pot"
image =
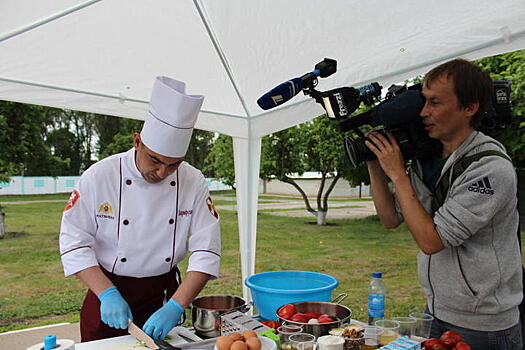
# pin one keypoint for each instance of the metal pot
(206, 312)
(342, 313)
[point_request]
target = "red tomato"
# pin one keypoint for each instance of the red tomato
(287, 311)
(271, 324)
(430, 342)
(299, 317)
(452, 335)
(448, 342)
(312, 314)
(450, 338)
(439, 347)
(324, 319)
(461, 345)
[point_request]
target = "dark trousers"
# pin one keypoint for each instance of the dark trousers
(144, 296)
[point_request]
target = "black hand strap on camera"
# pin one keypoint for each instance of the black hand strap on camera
(441, 193)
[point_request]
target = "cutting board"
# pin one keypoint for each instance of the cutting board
(128, 342)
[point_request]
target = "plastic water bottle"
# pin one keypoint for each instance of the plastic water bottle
(376, 298)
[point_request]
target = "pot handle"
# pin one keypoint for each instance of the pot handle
(246, 307)
(338, 299)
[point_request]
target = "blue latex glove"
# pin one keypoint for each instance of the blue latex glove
(163, 320)
(114, 310)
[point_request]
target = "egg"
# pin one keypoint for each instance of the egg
(253, 343)
(249, 334)
(236, 336)
(224, 342)
(239, 345)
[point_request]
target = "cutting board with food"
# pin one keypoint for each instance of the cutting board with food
(127, 342)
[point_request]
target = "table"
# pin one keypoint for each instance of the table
(128, 342)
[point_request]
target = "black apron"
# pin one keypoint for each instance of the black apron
(144, 296)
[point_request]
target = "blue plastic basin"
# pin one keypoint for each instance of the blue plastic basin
(271, 290)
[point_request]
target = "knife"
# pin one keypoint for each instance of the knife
(138, 333)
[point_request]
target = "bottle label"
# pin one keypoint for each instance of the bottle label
(376, 305)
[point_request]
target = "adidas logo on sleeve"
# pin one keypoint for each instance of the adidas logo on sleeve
(482, 186)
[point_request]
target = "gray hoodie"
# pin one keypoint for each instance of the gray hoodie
(476, 281)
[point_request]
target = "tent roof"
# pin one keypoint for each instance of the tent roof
(101, 56)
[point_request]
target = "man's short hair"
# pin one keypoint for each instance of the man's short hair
(471, 84)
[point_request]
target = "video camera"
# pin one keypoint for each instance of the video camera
(398, 113)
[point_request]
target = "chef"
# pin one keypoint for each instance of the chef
(134, 216)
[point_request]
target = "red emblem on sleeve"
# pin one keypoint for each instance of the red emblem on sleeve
(73, 199)
(211, 207)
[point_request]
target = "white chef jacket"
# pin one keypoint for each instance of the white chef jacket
(130, 227)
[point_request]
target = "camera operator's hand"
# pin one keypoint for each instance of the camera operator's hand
(388, 154)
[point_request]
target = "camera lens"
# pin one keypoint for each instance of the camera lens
(356, 151)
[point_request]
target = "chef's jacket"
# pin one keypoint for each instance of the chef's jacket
(133, 228)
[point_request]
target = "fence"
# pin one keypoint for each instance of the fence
(63, 184)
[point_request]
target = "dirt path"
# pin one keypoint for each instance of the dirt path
(359, 208)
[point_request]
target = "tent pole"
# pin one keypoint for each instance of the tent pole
(31, 26)
(247, 156)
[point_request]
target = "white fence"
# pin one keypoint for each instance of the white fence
(63, 184)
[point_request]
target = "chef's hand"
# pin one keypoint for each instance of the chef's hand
(114, 310)
(163, 320)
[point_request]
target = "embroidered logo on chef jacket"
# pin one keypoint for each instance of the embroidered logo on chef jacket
(185, 212)
(73, 199)
(105, 210)
(211, 207)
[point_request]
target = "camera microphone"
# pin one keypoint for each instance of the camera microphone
(285, 91)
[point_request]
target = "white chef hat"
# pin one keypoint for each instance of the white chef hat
(172, 114)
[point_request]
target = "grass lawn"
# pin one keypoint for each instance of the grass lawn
(295, 198)
(35, 292)
(33, 197)
(304, 208)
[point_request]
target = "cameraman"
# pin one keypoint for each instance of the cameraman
(469, 265)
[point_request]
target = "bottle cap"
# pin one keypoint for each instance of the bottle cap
(50, 342)
(377, 274)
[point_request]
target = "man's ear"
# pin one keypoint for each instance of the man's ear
(136, 140)
(472, 109)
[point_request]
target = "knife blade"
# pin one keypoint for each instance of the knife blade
(151, 343)
(138, 333)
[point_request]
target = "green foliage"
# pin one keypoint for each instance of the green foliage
(220, 160)
(115, 134)
(282, 153)
(121, 143)
(200, 146)
(324, 147)
(24, 151)
(511, 66)
(72, 138)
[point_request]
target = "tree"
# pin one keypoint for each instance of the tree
(115, 134)
(200, 147)
(119, 138)
(23, 132)
(312, 146)
(82, 126)
(323, 152)
(220, 160)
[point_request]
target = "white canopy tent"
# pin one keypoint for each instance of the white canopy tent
(101, 56)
